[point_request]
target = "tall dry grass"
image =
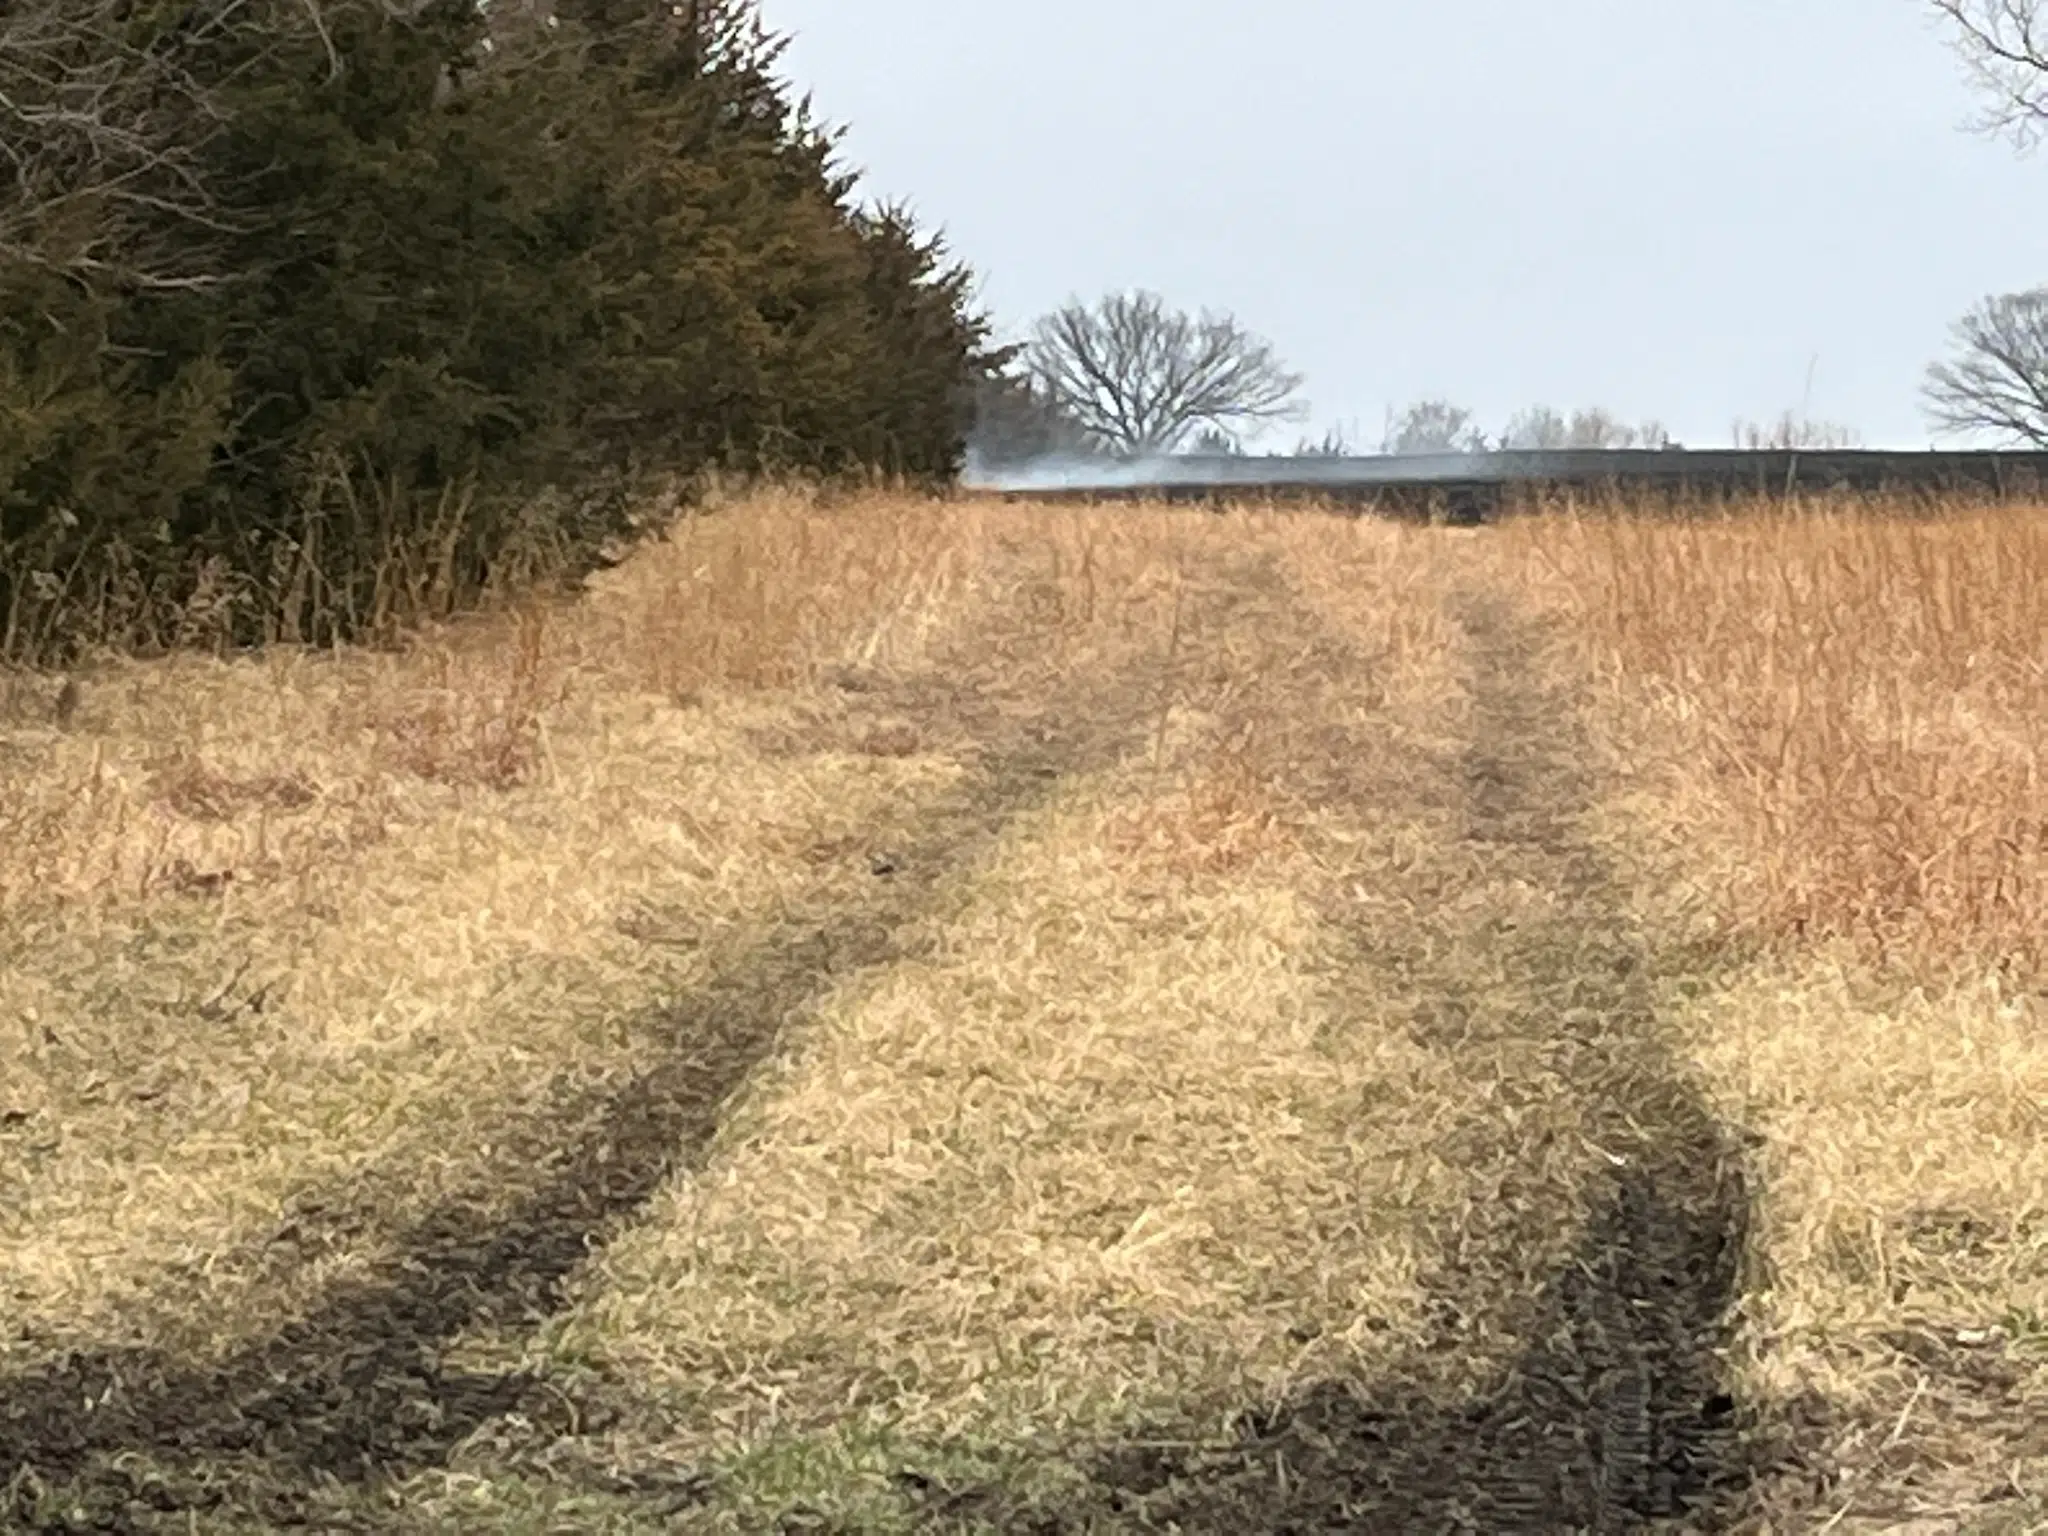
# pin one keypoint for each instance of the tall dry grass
(1836, 726)
(311, 924)
(191, 774)
(268, 920)
(1129, 1138)
(321, 922)
(1854, 704)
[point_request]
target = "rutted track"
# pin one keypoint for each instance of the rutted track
(1596, 1280)
(355, 1388)
(1609, 1405)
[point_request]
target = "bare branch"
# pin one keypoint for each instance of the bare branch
(2004, 46)
(1997, 383)
(103, 124)
(1433, 426)
(109, 113)
(1141, 378)
(1542, 427)
(326, 37)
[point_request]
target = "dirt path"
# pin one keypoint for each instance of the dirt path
(1574, 1377)
(354, 1389)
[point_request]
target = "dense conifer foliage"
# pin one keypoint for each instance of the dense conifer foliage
(316, 315)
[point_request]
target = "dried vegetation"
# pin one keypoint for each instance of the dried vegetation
(1286, 935)
(1861, 700)
(1830, 730)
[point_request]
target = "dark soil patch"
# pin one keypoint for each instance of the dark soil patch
(1615, 1417)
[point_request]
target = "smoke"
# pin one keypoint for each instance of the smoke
(1726, 470)
(1079, 472)
(1072, 472)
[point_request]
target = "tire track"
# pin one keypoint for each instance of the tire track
(355, 1388)
(1610, 1408)
(1608, 1404)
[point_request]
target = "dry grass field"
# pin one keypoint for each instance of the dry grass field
(884, 1015)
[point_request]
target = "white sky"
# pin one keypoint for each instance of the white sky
(1667, 207)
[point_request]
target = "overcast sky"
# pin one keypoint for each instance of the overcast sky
(1672, 208)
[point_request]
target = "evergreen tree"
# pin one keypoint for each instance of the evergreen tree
(453, 284)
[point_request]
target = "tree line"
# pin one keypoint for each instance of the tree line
(320, 314)
(1131, 377)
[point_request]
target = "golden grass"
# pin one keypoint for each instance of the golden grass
(1084, 1164)
(193, 775)
(276, 926)
(1830, 733)
(1902, 1221)
(1138, 1132)
(1855, 703)
(1108, 1155)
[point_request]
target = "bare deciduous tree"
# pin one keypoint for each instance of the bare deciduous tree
(1651, 434)
(1140, 377)
(1998, 380)
(107, 110)
(1333, 444)
(2004, 45)
(1542, 427)
(102, 123)
(1214, 443)
(1433, 426)
(1538, 428)
(1793, 430)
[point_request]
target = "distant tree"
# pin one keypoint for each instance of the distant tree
(1539, 427)
(1997, 381)
(1140, 377)
(1333, 444)
(1794, 431)
(1542, 427)
(1433, 426)
(1216, 443)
